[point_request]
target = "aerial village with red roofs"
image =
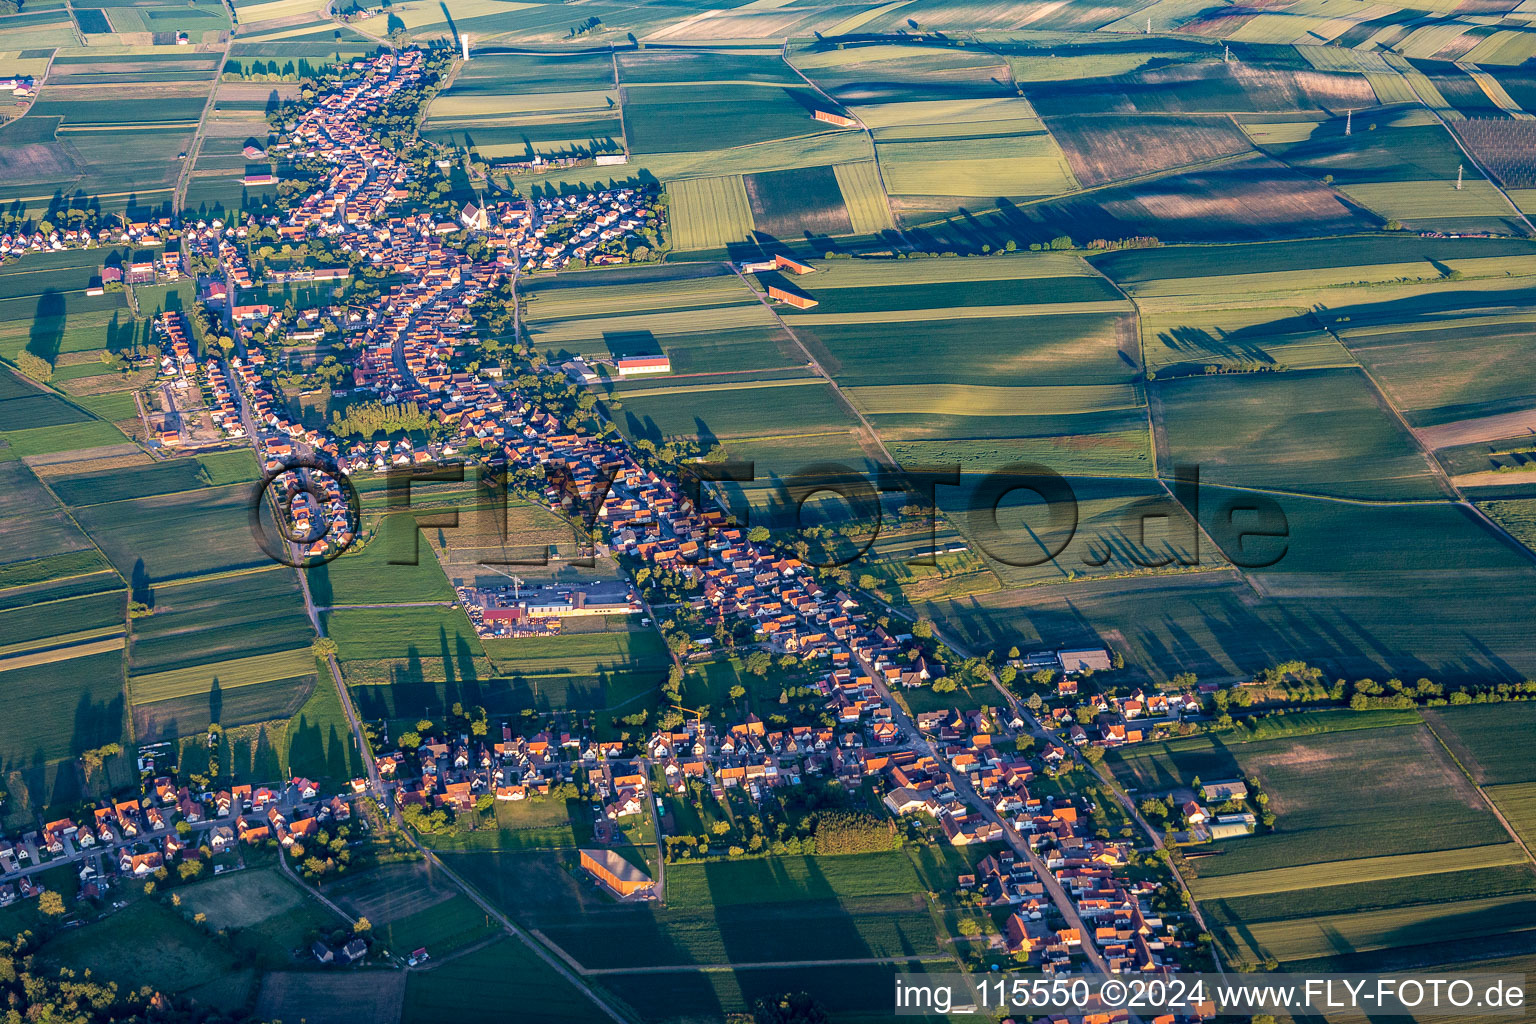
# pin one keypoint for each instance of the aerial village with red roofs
(1001, 779)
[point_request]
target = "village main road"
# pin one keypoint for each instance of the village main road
(1040, 733)
(661, 846)
(75, 853)
(1020, 845)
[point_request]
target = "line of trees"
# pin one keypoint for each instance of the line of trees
(370, 418)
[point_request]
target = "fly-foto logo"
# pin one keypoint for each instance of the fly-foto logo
(306, 512)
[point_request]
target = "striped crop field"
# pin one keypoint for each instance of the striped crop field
(709, 213)
(975, 117)
(450, 107)
(562, 332)
(979, 400)
(1420, 200)
(874, 273)
(32, 659)
(1435, 925)
(183, 682)
(1364, 869)
(1018, 165)
(896, 316)
(736, 385)
(864, 197)
(1517, 802)
(617, 298)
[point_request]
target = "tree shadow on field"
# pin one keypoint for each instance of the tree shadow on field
(141, 591)
(628, 344)
(707, 437)
(1199, 341)
(647, 430)
(320, 589)
(47, 332)
(96, 722)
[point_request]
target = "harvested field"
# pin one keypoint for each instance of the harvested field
(1479, 430)
(1107, 147)
(1213, 88)
(1248, 198)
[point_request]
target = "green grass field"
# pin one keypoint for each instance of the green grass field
(70, 706)
(1452, 367)
(1490, 740)
(1433, 927)
(709, 213)
(320, 742)
(177, 475)
(180, 958)
(1368, 869)
(228, 618)
(394, 566)
(172, 536)
(1320, 432)
(443, 928)
(1018, 165)
(458, 988)
(374, 633)
(790, 879)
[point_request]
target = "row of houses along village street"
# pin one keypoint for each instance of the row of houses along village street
(1074, 904)
(944, 764)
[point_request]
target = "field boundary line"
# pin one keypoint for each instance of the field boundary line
(1140, 179)
(874, 150)
(51, 656)
(64, 579)
(842, 397)
(926, 958)
(65, 640)
(1531, 228)
(1497, 813)
(1456, 496)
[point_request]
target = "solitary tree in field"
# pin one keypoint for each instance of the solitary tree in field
(51, 903)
